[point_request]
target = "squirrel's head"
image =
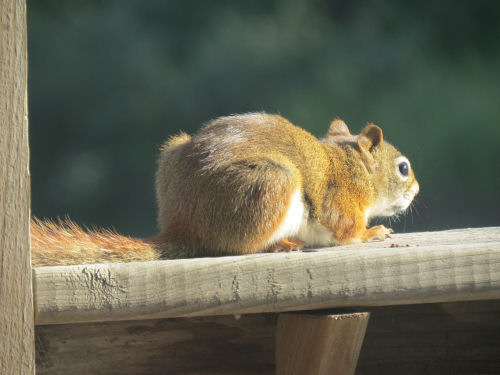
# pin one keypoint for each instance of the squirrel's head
(390, 172)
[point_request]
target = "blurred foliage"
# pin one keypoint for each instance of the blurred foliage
(110, 80)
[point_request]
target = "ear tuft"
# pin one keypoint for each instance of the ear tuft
(370, 136)
(337, 128)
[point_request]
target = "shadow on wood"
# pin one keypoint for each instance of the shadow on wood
(429, 339)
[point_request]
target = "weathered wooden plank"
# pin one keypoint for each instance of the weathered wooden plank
(209, 346)
(319, 344)
(17, 351)
(428, 339)
(444, 266)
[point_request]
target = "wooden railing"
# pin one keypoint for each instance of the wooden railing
(455, 265)
(408, 269)
(237, 310)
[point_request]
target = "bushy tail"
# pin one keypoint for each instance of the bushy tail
(66, 243)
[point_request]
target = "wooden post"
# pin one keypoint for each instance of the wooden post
(17, 349)
(319, 344)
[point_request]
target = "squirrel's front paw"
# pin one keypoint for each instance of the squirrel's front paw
(376, 233)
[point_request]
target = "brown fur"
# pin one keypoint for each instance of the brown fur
(226, 190)
(67, 243)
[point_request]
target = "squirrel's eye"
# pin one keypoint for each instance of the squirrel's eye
(404, 168)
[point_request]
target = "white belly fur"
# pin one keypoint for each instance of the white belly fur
(315, 234)
(297, 224)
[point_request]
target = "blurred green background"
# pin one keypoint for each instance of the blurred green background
(109, 81)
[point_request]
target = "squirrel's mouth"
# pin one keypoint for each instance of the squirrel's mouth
(385, 208)
(405, 200)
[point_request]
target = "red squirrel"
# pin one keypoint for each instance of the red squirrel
(252, 183)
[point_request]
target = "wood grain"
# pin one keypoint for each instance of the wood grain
(436, 267)
(16, 305)
(426, 339)
(319, 344)
(203, 346)
(456, 265)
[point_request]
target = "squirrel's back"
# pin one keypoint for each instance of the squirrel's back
(226, 189)
(189, 167)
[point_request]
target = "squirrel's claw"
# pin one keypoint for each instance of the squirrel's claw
(376, 233)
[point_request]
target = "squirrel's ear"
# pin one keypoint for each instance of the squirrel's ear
(370, 136)
(337, 128)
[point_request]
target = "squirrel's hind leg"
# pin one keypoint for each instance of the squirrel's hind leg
(285, 245)
(262, 206)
